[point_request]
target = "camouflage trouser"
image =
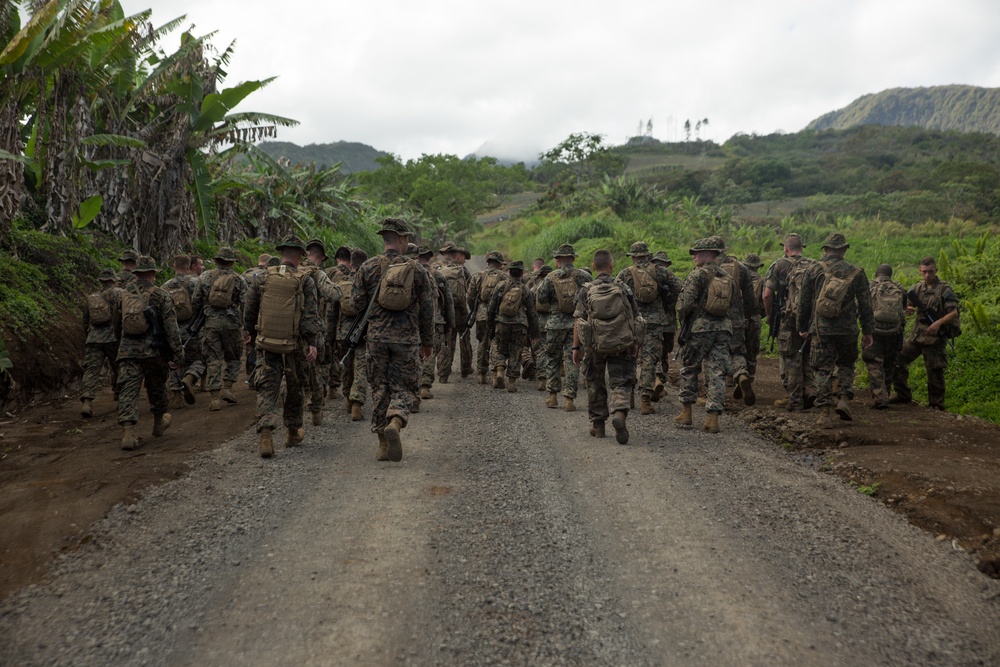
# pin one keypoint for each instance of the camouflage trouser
(738, 351)
(620, 376)
(194, 362)
(223, 350)
(93, 364)
(829, 355)
(393, 373)
(510, 340)
(798, 378)
(935, 361)
(881, 361)
(317, 382)
(427, 367)
(341, 374)
(753, 349)
(650, 359)
(131, 374)
(665, 354)
(483, 350)
(356, 370)
(446, 356)
(541, 360)
(710, 348)
(559, 353)
(271, 368)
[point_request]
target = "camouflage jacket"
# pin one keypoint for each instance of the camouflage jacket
(141, 346)
(660, 310)
(526, 316)
(692, 301)
(582, 303)
(480, 303)
(777, 280)
(105, 333)
(251, 274)
(329, 295)
(220, 318)
(857, 302)
(343, 322)
(412, 326)
(190, 283)
(124, 278)
(546, 296)
(758, 299)
(743, 308)
(444, 302)
(310, 324)
(939, 300)
(460, 304)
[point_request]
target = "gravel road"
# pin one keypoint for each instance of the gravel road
(506, 536)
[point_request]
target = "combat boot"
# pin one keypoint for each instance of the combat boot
(782, 403)
(415, 408)
(317, 418)
(356, 413)
(482, 378)
(498, 381)
(216, 403)
(618, 422)
(294, 437)
(569, 406)
(383, 448)
(425, 393)
(825, 419)
(227, 392)
(511, 386)
(844, 411)
(160, 424)
(701, 401)
(711, 422)
(393, 440)
(129, 441)
(746, 390)
(541, 384)
(86, 408)
(684, 418)
(659, 389)
(645, 407)
(176, 400)
(348, 403)
(597, 429)
(266, 444)
(187, 388)
(553, 400)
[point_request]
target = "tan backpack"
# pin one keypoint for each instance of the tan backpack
(281, 303)
(510, 304)
(220, 295)
(566, 289)
(345, 282)
(396, 289)
(611, 320)
(832, 298)
(719, 298)
(797, 274)
(489, 284)
(646, 288)
(888, 302)
(99, 309)
(457, 281)
(134, 321)
(182, 300)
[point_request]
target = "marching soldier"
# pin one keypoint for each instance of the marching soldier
(342, 275)
(512, 321)
(558, 291)
(182, 288)
(329, 294)
(102, 322)
(444, 319)
(661, 259)
(753, 263)
(282, 317)
(741, 313)
(889, 312)
(481, 289)
(400, 326)
(537, 351)
(150, 345)
(452, 267)
(221, 295)
(125, 276)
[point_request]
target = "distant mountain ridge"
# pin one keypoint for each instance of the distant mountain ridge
(958, 108)
(353, 155)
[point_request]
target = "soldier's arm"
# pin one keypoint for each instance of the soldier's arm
(688, 300)
(168, 316)
(746, 286)
(494, 305)
(804, 316)
(425, 313)
(251, 309)
(865, 312)
(311, 325)
(544, 293)
(449, 303)
(198, 297)
(472, 296)
(528, 300)
(359, 290)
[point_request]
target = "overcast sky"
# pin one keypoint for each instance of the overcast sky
(443, 76)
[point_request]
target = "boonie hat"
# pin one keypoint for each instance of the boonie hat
(424, 251)
(836, 241)
(317, 243)
(411, 250)
(516, 265)
(494, 256)
(107, 275)
(753, 261)
(129, 256)
(145, 263)
(465, 252)
(225, 254)
(291, 241)
(638, 248)
(711, 243)
(565, 250)
(395, 225)
(661, 257)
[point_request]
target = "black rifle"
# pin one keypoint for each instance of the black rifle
(359, 326)
(684, 334)
(931, 315)
(159, 341)
(194, 329)
(777, 312)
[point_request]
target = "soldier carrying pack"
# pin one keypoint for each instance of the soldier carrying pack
(281, 304)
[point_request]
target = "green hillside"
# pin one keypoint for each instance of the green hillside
(354, 156)
(959, 108)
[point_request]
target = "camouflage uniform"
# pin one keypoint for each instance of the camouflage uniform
(882, 356)
(740, 312)
(444, 322)
(393, 339)
(708, 344)
(338, 375)
(124, 277)
(615, 372)
(835, 340)
(222, 342)
(754, 325)
(273, 367)
(329, 296)
(537, 350)
(138, 362)
(479, 303)
(511, 334)
(102, 340)
(654, 312)
(457, 335)
(941, 299)
(670, 311)
(194, 364)
(797, 375)
(559, 328)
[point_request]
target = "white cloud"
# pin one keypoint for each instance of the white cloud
(446, 76)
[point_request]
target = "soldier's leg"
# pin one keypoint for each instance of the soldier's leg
(194, 357)
(130, 377)
(110, 351)
(738, 352)
(465, 354)
(541, 360)
(403, 380)
(500, 354)
(597, 388)
(446, 355)
(516, 346)
(212, 346)
(823, 359)
(665, 354)
(692, 355)
(316, 384)
(936, 361)
(93, 366)
(232, 351)
(483, 351)
(571, 380)
(621, 380)
(650, 359)
(875, 360)
(377, 366)
(335, 373)
(753, 350)
(155, 373)
(847, 359)
(901, 376)
(296, 381)
(269, 372)
(717, 363)
(553, 354)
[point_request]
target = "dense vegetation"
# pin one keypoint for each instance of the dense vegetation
(960, 108)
